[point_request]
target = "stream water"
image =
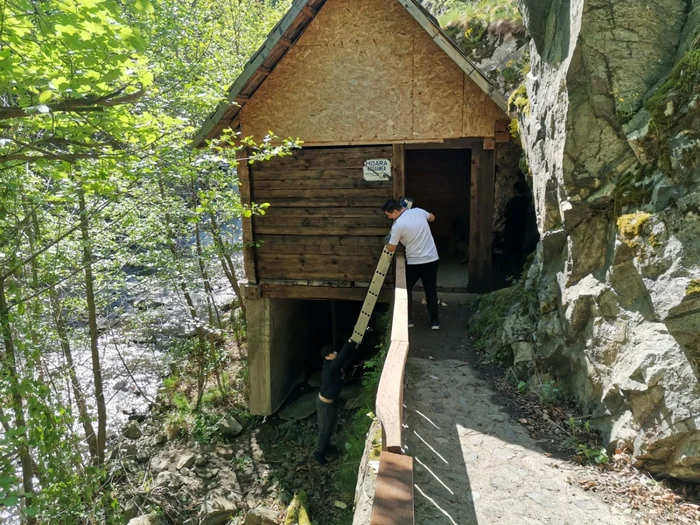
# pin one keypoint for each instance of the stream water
(136, 337)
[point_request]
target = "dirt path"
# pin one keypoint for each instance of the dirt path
(474, 464)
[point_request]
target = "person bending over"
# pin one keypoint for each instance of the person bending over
(331, 385)
(411, 229)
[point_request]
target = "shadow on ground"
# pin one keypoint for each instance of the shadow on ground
(474, 463)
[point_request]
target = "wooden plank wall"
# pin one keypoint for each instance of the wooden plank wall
(324, 222)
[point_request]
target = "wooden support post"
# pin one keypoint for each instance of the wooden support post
(483, 174)
(245, 191)
(398, 163)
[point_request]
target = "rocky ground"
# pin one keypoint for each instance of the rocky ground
(238, 470)
(487, 453)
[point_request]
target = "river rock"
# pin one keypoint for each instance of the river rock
(229, 427)
(132, 430)
(261, 516)
(300, 409)
(149, 519)
(216, 510)
(168, 479)
(186, 460)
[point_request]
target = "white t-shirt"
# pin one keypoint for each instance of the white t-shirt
(412, 230)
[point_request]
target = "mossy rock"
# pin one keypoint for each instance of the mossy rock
(632, 225)
(693, 287)
(297, 512)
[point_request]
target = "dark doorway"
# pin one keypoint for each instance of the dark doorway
(438, 180)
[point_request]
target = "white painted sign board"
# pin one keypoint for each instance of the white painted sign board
(376, 169)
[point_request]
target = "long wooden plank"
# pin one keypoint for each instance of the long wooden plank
(328, 152)
(282, 183)
(347, 202)
(319, 273)
(393, 496)
(247, 223)
(320, 222)
(375, 286)
(263, 174)
(350, 261)
(334, 240)
(398, 170)
(326, 230)
(281, 291)
(326, 212)
(312, 193)
(317, 249)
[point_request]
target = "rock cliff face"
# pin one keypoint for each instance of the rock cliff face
(612, 139)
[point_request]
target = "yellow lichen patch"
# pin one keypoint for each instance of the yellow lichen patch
(632, 224)
(693, 287)
(518, 100)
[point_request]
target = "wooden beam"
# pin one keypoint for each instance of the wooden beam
(393, 496)
(286, 42)
(398, 170)
(502, 136)
(284, 291)
(243, 170)
(489, 143)
(483, 171)
(474, 233)
(310, 13)
(487, 174)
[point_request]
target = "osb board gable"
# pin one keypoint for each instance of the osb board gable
(365, 70)
(438, 90)
(480, 112)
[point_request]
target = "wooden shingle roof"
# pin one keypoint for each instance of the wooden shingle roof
(283, 37)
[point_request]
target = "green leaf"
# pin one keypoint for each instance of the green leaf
(45, 96)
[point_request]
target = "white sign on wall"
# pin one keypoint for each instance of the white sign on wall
(376, 169)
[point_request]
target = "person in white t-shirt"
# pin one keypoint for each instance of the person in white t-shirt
(411, 229)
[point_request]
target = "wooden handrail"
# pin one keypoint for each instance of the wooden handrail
(393, 502)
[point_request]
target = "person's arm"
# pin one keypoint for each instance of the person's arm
(345, 353)
(431, 217)
(394, 238)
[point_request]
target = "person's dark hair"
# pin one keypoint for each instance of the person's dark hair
(391, 206)
(327, 350)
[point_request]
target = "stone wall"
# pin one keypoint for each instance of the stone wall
(612, 138)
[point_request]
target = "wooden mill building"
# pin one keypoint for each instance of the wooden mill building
(357, 81)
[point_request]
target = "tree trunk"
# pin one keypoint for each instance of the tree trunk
(226, 261)
(92, 323)
(10, 366)
(199, 330)
(80, 402)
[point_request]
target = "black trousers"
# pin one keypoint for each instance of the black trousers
(427, 273)
(327, 413)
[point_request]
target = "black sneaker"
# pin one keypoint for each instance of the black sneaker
(434, 325)
(320, 458)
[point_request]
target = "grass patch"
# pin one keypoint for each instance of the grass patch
(355, 434)
(488, 11)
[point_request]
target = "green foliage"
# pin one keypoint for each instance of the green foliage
(693, 287)
(599, 456)
(550, 393)
(488, 11)
(487, 322)
(98, 101)
(519, 101)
